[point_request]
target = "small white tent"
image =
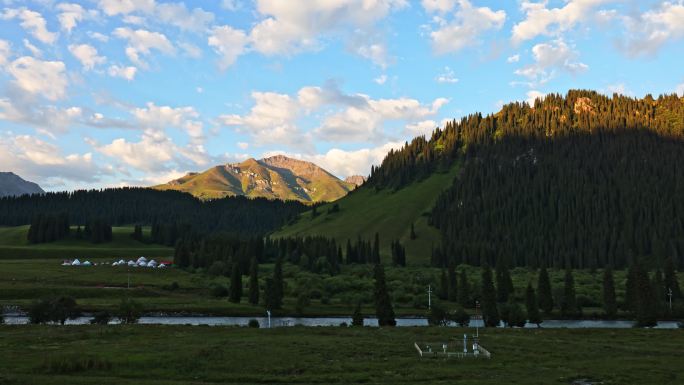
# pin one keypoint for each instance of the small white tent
(87, 263)
(76, 262)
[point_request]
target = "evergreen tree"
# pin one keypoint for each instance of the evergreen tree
(490, 312)
(671, 282)
(609, 301)
(137, 233)
(443, 293)
(514, 314)
(383, 305)
(532, 306)
(544, 289)
(504, 283)
(271, 299)
(413, 232)
(376, 249)
(658, 285)
(631, 288)
(357, 317)
(568, 306)
(254, 282)
(464, 290)
(278, 283)
(452, 293)
(235, 284)
(644, 299)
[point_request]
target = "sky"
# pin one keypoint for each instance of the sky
(107, 93)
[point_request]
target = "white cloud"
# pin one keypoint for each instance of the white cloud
(648, 32)
(438, 6)
(41, 161)
(98, 36)
(533, 95)
(116, 7)
(548, 58)
(71, 14)
(680, 90)
(513, 59)
(424, 127)
(243, 145)
(287, 29)
(230, 5)
(33, 22)
(142, 41)
(35, 51)
(178, 15)
(127, 73)
(540, 20)
(381, 79)
(37, 77)
(191, 50)
(5, 52)
(227, 42)
(447, 76)
(87, 55)
(465, 28)
(22, 108)
(618, 88)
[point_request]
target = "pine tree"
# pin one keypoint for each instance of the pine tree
(271, 299)
(413, 232)
(671, 282)
(490, 313)
(376, 249)
(357, 317)
(452, 293)
(464, 290)
(658, 285)
(443, 286)
(254, 282)
(631, 288)
(545, 297)
(383, 305)
(278, 283)
(568, 306)
(504, 284)
(532, 306)
(644, 306)
(609, 301)
(514, 315)
(235, 283)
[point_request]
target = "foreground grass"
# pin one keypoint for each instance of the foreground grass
(14, 244)
(204, 355)
(390, 213)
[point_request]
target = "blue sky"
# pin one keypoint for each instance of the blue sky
(106, 93)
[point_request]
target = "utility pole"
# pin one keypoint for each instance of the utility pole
(269, 318)
(429, 291)
(669, 294)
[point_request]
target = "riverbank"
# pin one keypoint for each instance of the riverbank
(146, 355)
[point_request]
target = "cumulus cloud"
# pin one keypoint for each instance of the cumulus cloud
(35, 51)
(229, 43)
(87, 55)
(70, 14)
(513, 59)
(123, 72)
(142, 42)
(5, 52)
(533, 95)
(31, 21)
(424, 127)
(447, 76)
(161, 117)
(37, 77)
(548, 59)
(41, 161)
(465, 28)
(177, 14)
(124, 7)
(649, 31)
(438, 6)
(541, 20)
(382, 79)
(680, 90)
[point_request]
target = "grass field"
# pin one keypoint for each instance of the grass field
(365, 212)
(14, 245)
(143, 355)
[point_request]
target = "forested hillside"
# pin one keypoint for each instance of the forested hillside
(581, 180)
(238, 215)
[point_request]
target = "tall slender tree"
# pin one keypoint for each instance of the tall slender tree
(490, 312)
(452, 293)
(609, 301)
(464, 290)
(235, 283)
(568, 306)
(504, 284)
(545, 297)
(671, 282)
(376, 249)
(278, 282)
(254, 282)
(532, 306)
(443, 293)
(644, 306)
(383, 304)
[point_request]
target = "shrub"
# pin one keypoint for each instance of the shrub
(460, 316)
(58, 309)
(217, 268)
(67, 365)
(253, 323)
(437, 316)
(129, 311)
(101, 318)
(219, 291)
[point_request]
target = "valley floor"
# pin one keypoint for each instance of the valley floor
(141, 354)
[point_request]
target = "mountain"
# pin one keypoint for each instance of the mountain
(276, 177)
(12, 184)
(579, 180)
(356, 180)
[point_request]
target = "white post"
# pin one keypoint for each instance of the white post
(429, 291)
(465, 344)
(669, 294)
(268, 312)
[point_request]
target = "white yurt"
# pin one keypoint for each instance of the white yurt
(122, 262)
(142, 259)
(66, 263)
(76, 262)
(87, 263)
(131, 263)
(162, 266)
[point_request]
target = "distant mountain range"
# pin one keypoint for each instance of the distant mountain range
(276, 177)
(12, 184)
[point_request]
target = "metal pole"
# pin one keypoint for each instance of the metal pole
(429, 291)
(269, 318)
(669, 293)
(465, 344)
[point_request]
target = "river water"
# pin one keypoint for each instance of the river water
(336, 321)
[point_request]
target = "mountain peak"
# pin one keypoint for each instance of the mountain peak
(12, 184)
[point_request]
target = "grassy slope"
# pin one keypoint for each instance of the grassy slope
(13, 244)
(388, 213)
(144, 354)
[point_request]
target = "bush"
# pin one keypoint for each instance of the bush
(67, 365)
(217, 268)
(129, 311)
(437, 316)
(460, 316)
(219, 291)
(101, 318)
(253, 323)
(58, 309)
